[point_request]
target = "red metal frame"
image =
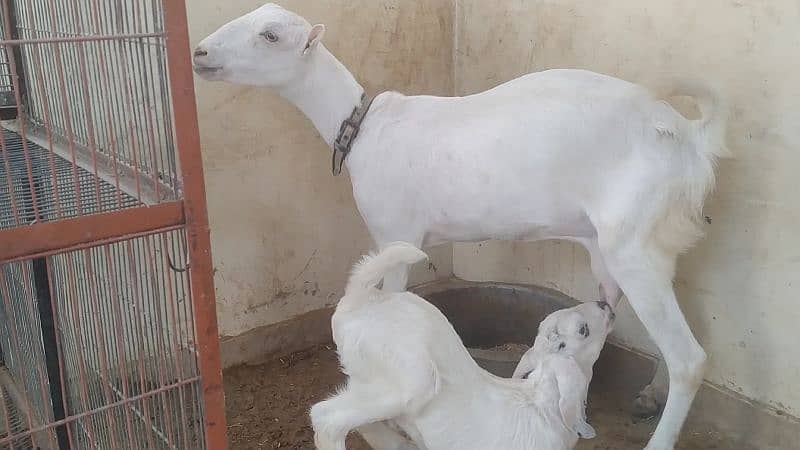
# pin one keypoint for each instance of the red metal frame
(197, 228)
(43, 239)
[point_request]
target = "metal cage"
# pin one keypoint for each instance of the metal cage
(108, 334)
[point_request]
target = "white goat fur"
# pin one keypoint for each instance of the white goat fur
(559, 154)
(406, 365)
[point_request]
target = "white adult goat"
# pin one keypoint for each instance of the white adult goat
(407, 366)
(565, 154)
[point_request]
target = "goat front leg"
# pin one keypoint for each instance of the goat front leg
(645, 276)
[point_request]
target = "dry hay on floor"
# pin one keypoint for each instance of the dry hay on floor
(268, 405)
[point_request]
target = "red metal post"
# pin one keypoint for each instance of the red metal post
(197, 229)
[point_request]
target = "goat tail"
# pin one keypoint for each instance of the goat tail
(368, 272)
(710, 128)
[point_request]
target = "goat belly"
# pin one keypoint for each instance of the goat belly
(488, 419)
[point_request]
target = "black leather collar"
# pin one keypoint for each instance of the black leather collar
(348, 133)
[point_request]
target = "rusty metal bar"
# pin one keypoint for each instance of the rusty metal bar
(48, 238)
(197, 227)
(59, 40)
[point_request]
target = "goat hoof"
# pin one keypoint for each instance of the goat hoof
(648, 403)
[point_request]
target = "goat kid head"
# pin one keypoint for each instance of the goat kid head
(565, 350)
(268, 47)
(579, 332)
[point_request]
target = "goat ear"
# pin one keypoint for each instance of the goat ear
(314, 36)
(526, 364)
(572, 389)
(532, 357)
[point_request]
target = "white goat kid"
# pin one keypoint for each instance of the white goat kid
(406, 364)
(559, 154)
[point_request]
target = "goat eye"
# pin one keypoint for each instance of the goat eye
(562, 345)
(270, 36)
(584, 331)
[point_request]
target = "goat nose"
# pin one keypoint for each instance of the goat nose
(199, 52)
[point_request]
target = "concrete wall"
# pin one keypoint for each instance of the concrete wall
(284, 230)
(739, 287)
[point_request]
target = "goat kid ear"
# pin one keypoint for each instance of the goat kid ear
(314, 36)
(572, 390)
(527, 363)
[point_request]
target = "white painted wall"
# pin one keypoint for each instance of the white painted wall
(284, 230)
(739, 287)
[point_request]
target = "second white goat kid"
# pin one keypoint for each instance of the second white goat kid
(558, 154)
(406, 365)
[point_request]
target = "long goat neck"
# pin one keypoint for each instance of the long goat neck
(327, 94)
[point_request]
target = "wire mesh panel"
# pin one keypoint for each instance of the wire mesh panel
(107, 86)
(22, 347)
(12, 420)
(124, 331)
(135, 314)
(8, 103)
(98, 104)
(108, 335)
(61, 190)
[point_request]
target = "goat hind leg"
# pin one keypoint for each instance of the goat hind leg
(645, 277)
(354, 407)
(651, 399)
(381, 436)
(609, 289)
